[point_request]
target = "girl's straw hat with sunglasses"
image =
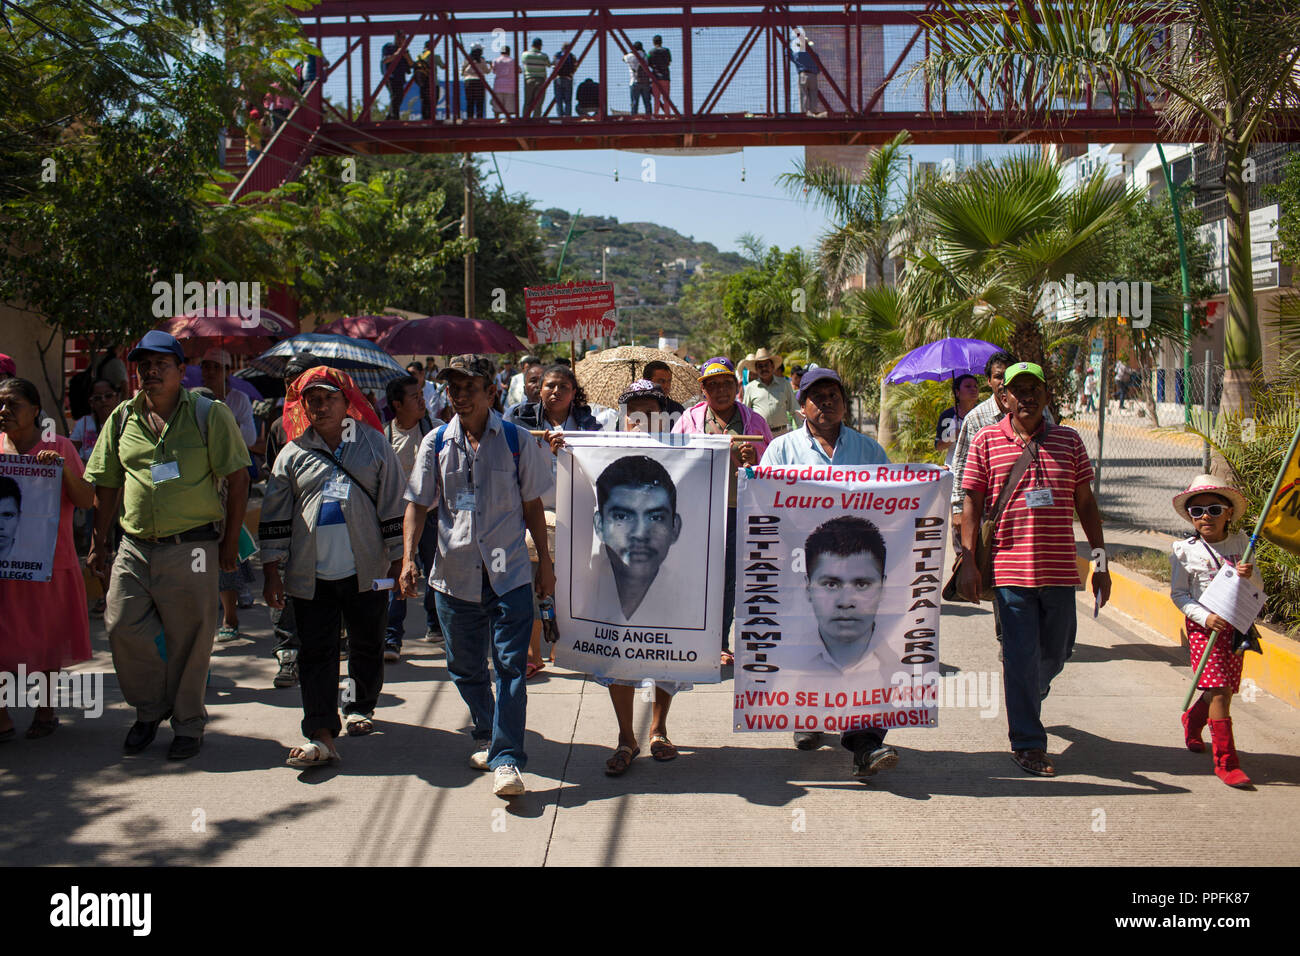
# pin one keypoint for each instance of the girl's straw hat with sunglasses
(1209, 485)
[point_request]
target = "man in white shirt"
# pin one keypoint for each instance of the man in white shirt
(215, 368)
(435, 402)
(515, 393)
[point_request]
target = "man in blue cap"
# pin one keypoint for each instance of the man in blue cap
(160, 458)
(824, 439)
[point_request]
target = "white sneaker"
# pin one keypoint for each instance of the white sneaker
(479, 758)
(508, 782)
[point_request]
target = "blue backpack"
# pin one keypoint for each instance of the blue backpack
(509, 429)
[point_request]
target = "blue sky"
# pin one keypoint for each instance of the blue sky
(699, 196)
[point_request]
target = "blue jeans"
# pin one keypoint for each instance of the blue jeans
(564, 95)
(729, 580)
(504, 624)
(428, 546)
(640, 91)
(1038, 629)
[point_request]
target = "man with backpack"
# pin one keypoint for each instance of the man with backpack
(638, 76)
(161, 460)
(660, 59)
(485, 477)
(405, 432)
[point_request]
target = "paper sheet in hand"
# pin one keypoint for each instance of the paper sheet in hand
(1236, 599)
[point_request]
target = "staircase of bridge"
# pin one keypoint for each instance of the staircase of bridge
(733, 82)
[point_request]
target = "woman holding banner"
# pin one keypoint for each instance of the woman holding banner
(44, 626)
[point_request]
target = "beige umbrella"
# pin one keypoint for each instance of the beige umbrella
(605, 375)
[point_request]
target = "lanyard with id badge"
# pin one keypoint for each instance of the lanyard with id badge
(1039, 496)
(338, 485)
(465, 498)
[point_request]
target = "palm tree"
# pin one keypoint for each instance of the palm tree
(995, 238)
(865, 209)
(1228, 75)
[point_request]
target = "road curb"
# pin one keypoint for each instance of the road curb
(1277, 670)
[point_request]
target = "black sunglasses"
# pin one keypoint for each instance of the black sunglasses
(1213, 511)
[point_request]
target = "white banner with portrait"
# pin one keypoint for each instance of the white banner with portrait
(30, 497)
(640, 542)
(839, 571)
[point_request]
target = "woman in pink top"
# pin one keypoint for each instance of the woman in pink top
(721, 414)
(44, 626)
(505, 74)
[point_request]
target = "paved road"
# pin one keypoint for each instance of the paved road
(1128, 793)
(1142, 472)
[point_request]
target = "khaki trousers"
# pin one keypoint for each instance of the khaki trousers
(168, 589)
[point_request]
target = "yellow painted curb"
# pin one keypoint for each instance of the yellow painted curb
(1277, 670)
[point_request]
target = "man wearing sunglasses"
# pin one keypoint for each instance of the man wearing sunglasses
(1034, 568)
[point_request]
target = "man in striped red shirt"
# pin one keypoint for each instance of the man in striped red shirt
(1034, 568)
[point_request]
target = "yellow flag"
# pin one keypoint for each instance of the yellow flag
(1282, 523)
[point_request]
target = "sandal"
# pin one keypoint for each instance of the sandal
(320, 755)
(662, 749)
(358, 725)
(1034, 761)
(533, 670)
(41, 728)
(226, 634)
(617, 765)
(727, 658)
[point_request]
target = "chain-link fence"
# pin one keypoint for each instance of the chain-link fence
(1139, 446)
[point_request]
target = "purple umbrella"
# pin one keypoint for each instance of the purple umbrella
(942, 360)
(448, 335)
(194, 378)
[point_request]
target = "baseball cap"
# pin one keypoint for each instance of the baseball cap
(321, 383)
(299, 363)
(815, 375)
(7, 365)
(471, 365)
(717, 366)
(220, 356)
(1023, 368)
(157, 340)
(643, 388)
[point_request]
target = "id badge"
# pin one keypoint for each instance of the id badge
(161, 471)
(1038, 497)
(336, 489)
(465, 501)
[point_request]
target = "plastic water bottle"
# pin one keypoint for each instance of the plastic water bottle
(549, 631)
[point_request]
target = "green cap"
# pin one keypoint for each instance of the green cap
(1023, 368)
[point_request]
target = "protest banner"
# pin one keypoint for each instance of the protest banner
(640, 541)
(30, 498)
(839, 571)
(570, 313)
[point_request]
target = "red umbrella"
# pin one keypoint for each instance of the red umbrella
(200, 330)
(368, 327)
(449, 335)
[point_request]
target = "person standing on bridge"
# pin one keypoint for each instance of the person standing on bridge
(396, 63)
(474, 75)
(638, 76)
(660, 58)
(505, 85)
(535, 64)
(806, 64)
(566, 64)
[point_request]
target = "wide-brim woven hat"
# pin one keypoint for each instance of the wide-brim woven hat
(762, 355)
(1208, 484)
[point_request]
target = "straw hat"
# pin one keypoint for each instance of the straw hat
(1208, 484)
(762, 355)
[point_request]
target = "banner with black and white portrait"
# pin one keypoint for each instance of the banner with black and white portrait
(640, 541)
(839, 572)
(30, 499)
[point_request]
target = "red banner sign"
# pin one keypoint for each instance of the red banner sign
(569, 313)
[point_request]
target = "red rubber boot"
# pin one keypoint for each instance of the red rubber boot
(1226, 766)
(1194, 722)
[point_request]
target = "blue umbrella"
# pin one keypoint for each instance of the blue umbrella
(942, 360)
(368, 365)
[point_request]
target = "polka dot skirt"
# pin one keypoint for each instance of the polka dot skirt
(1224, 668)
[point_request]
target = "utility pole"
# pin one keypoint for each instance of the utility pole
(467, 230)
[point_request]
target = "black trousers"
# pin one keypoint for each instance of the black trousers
(863, 740)
(319, 618)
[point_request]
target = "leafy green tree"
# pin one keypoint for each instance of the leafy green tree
(1230, 76)
(760, 301)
